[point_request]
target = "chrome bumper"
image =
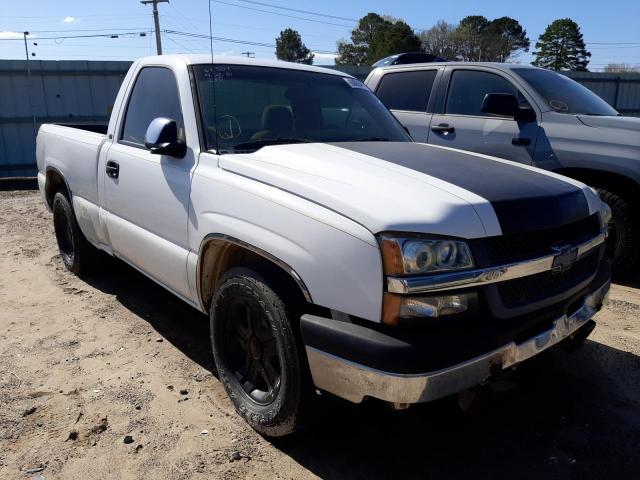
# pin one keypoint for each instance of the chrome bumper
(354, 382)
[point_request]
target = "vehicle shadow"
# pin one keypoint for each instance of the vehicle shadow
(630, 280)
(178, 323)
(559, 416)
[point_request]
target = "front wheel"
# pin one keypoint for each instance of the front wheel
(623, 244)
(257, 354)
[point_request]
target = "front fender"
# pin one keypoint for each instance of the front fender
(337, 259)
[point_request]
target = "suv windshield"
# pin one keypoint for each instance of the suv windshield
(244, 108)
(563, 95)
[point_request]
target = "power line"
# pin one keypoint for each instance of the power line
(86, 30)
(230, 40)
(308, 12)
(283, 14)
(613, 43)
(102, 35)
(169, 32)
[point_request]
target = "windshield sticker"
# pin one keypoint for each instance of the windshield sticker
(218, 73)
(558, 105)
(354, 83)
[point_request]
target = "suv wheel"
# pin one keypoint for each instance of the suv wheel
(623, 246)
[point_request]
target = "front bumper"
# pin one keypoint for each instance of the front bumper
(352, 380)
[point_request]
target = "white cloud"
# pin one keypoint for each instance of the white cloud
(324, 58)
(70, 20)
(4, 34)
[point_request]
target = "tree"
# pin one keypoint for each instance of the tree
(470, 35)
(504, 37)
(481, 40)
(367, 27)
(350, 54)
(561, 47)
(396, 37)
(441, 40)
(376, 37)
(356, 52)
(289, 47)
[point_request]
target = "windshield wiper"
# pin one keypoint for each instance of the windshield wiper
(256, 145)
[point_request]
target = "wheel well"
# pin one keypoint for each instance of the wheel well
(55, 183)
(218, 255)
(614, 182)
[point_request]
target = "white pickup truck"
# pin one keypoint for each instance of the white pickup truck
(327, 248)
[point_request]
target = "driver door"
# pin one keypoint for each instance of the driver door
(463, 125)
(147, 195)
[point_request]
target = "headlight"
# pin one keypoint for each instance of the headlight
(412, 256)
(605, 216)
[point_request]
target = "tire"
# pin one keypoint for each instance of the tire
(258, 354)
(75, 249)
(623, 247)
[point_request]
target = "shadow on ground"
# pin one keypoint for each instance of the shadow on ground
(559, 416)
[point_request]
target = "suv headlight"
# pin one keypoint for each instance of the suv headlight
(414, 256)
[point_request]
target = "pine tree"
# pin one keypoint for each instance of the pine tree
(561, 47)
(376, 37)
(289, 47)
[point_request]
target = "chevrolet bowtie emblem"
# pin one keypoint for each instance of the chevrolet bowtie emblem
(566, 255)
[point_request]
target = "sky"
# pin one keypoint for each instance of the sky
(611, 29)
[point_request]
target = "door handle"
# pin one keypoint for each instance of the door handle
(519, 141)
(442, 128)
(113, 169)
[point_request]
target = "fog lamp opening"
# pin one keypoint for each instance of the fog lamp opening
(396, 306)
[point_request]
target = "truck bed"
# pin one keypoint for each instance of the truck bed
(93, 127)
(73, 150)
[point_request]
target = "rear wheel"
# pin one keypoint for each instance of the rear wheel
(75, 249)
(623, 246)
(257, 354)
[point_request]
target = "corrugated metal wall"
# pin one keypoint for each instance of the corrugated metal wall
(620, 90)
(59, 91)
(84, 91)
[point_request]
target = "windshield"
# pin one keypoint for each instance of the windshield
(563, 95)
(244, 108)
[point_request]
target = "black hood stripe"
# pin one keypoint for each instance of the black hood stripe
(523, 200)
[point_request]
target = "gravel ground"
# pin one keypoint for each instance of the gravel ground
(86, 362)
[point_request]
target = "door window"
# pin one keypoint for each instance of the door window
(468, 88)
(408, 91)
(155, 94)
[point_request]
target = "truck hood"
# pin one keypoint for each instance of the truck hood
(616, 132)
(624, 123)
(413, 187)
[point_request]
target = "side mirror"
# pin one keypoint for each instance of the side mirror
(506, 105)
(503, 104)
(162, 138)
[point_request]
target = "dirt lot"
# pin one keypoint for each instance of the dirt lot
(85, 362)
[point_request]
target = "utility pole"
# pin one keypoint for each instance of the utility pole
(29, 84)
(156, 20)
(249, 54)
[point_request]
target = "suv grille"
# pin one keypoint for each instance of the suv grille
(531, 289)
(523, 246)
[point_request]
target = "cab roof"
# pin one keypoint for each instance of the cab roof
(201, 59)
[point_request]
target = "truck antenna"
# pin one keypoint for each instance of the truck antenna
(213, 78)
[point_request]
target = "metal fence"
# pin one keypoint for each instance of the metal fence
(620, 90)
(57, 91)
(84, 91)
